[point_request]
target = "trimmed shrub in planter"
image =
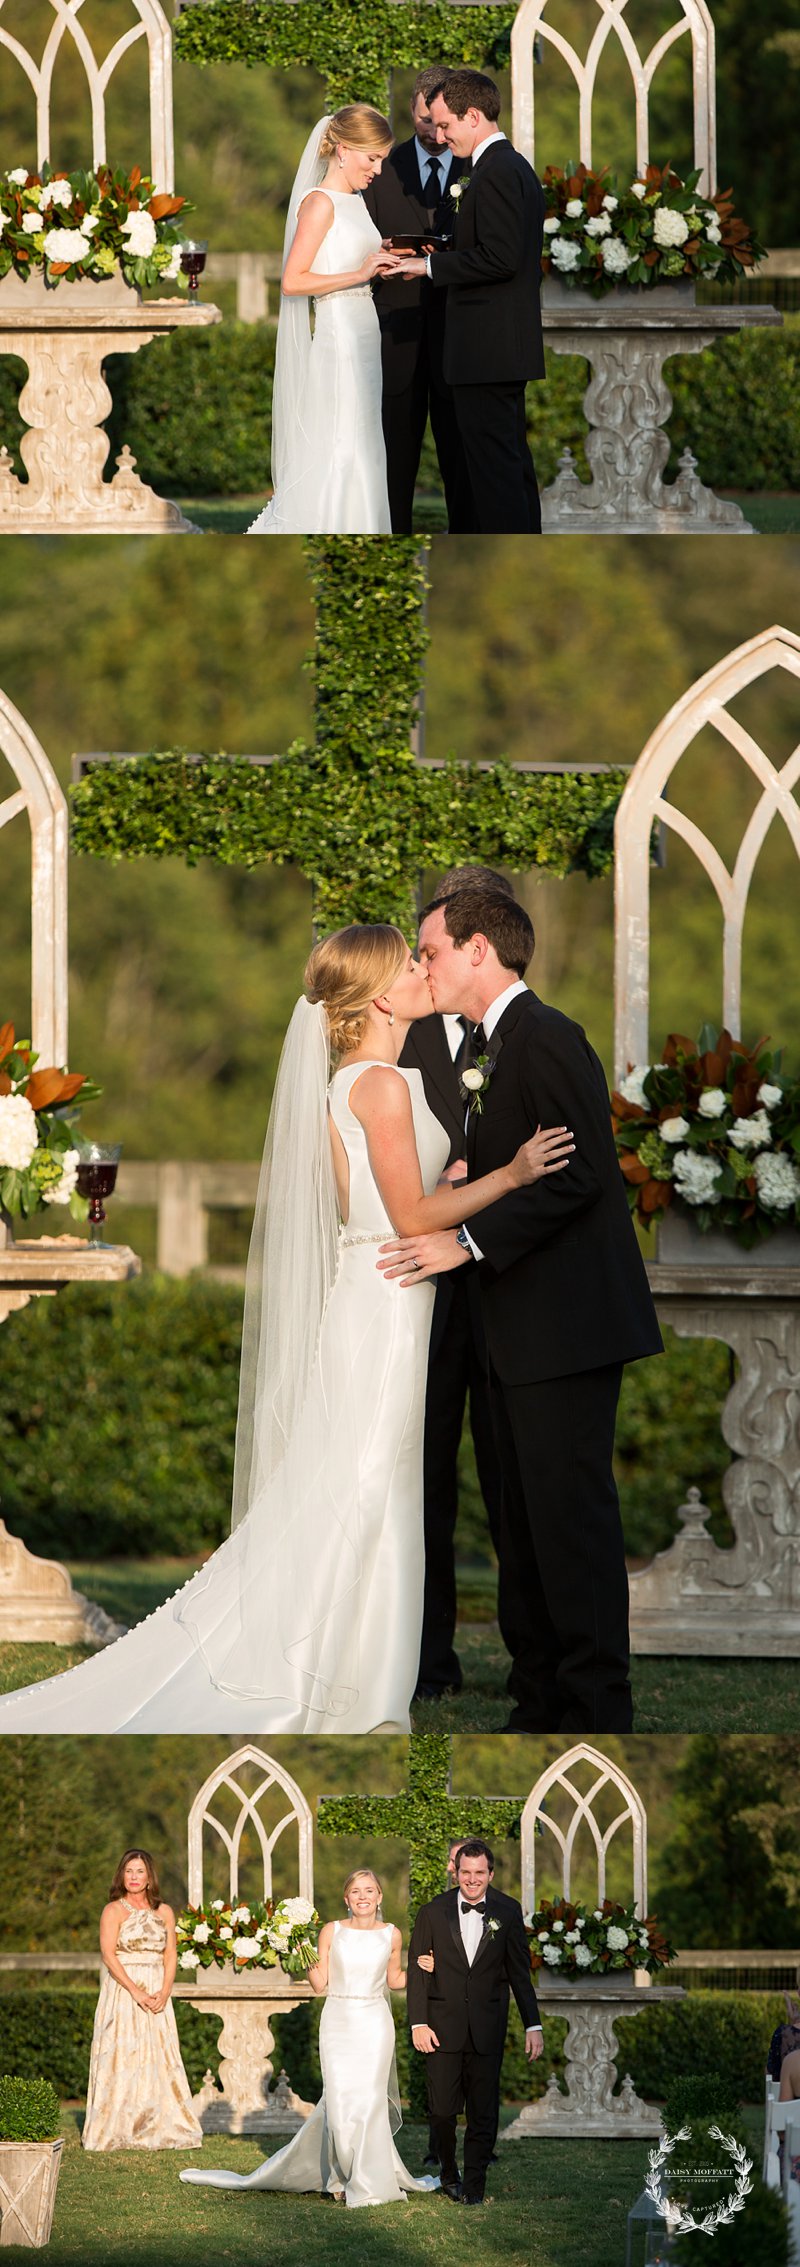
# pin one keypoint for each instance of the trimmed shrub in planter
(30, 2160)
(29, 2109)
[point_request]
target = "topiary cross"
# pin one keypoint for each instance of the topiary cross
(361, 812)
(353, 47)
(426, 1815)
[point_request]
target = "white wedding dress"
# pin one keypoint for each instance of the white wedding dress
(334, 1647)
(328, 453)
(346, 2143)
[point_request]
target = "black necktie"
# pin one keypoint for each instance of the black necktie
(479, 1039)
(432, 184)
(473, 1908)
(462, 1056)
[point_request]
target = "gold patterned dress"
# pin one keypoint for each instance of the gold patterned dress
(138, 2094)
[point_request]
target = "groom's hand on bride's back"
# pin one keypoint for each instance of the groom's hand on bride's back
(414, 1259)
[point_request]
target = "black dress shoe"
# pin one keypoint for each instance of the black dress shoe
(453, 2189)
(430, 2159)
(465, 2199)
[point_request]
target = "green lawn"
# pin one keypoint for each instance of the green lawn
(670, 1694)
(553, 2204)
(231, 515)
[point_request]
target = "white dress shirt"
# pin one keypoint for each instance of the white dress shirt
(471, 1926)
(490, 1021)
(454, 1032)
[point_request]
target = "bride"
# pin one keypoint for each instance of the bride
(308, 1618)
(328, 455)
(346, 2149)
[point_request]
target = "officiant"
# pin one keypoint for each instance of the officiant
(411, 195)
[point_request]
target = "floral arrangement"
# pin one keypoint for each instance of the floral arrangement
(656, 230)
(716, 1127)
(38, 1160)
(87, 224)
(574, 1942)
(249, 1936)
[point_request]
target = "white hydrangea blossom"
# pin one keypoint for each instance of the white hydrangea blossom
(695, 1177)
(615, 256)
(751, 1133)
(31, 224)
(240, 1913)
(558, 1927)
(544, 1936)
(140, 230)
(583, 1956)
(19, 176)
(19, 1134)
(189, 1960)
(644, 1940)
(777, 1180)
(599, 225)
(65, 1188)
(201, 1933)
(218, 1905)
(572, 1937)
(225, 1934)
(244, 1948)
(67, 244)
(574, 208)
(674, 1129)
(58, 193)
(616, 1938)
(713, 1102)
(610, 204)
(638, 188)
(171, 272)
(565, 255)
(632, 1087)
(552, 1954)
(713, 230)
(770, 1095)
(669, 228)
(552, 225)
(296, 1909)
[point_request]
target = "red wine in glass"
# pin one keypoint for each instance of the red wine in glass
(97, 1177)
(193, 260)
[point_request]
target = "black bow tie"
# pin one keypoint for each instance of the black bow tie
(472, 1908)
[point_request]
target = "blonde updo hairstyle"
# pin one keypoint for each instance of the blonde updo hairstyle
(347, 971)
(356, 127)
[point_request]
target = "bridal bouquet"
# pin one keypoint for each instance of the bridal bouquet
(38, 1160)
(87, 224)
(716, 1127)
(249, 1936)
(574, 1942)
(655, 230)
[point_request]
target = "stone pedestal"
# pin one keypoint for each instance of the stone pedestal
(248, 2102)
(64, 336)
(29, 2173)
(590, 2109)
(627, 337)
(696, 1598)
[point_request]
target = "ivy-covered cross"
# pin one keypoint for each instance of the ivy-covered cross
(426, 1815)
(360, 813)
(354, 47)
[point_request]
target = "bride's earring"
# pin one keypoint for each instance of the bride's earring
(391, 1017)
(340, 158)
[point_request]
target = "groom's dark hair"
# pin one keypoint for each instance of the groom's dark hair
(475, 1848)
(491, 913)
(468, 90)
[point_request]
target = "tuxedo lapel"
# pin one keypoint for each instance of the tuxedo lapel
(455, 1928)
(486, 1938)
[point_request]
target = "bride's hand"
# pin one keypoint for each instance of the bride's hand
(425, 1960)
(546, 1152)
(376, 263)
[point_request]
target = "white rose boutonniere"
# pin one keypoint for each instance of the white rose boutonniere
(475, 1083)
(456, 189)
(493, 1928)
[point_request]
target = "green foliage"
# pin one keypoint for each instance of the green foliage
(759, 2234)
(425, 1815)
(720, 2037)
(354, 48)
(735, 407)
(29, 2109)
(51, 2029)
(196, 409)
(732, 1865)
(698, 2096)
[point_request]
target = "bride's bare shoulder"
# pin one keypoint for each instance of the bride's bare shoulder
(380, 1092)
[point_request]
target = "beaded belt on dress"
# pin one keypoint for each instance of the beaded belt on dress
(381, 1236)
(350, 291)
(361, 1996)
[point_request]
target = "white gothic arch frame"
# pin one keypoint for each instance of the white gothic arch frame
(40, 796)
(151, 24)
(536, 1813)
(201, 1816)
(693, 17)
(644, 802)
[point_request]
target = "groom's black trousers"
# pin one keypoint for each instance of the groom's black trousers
(562, 1552)
(491, 421)
(405, 416)
(463, 2078)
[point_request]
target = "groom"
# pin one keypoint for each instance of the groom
(565, 1302)
(492, 277)
(458, 2013)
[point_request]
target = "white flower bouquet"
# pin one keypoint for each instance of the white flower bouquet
(38, 1157)
(249, 1936)
(88, 224)
(570, 1941)
(716, 1128)
(657, 229)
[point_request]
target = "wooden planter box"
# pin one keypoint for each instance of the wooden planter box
(29, 2173)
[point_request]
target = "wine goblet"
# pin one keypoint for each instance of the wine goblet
(193, 260)
(97, 1177)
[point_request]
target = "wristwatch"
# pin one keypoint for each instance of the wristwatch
(463, 1239)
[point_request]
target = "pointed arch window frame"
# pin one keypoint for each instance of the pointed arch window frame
(201, 1818)
(695, 18)
(536, 1814)
(39, 795)
(153, 26)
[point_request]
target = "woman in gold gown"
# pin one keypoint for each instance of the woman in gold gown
(138, 2094)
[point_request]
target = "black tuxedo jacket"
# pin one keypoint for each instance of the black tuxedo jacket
(459, 2001)
(493, 322)
(563, 1284)
(411, 314)
(426, 1050)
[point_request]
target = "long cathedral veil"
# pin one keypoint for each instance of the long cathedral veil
(284, 1626)
(290, 439)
